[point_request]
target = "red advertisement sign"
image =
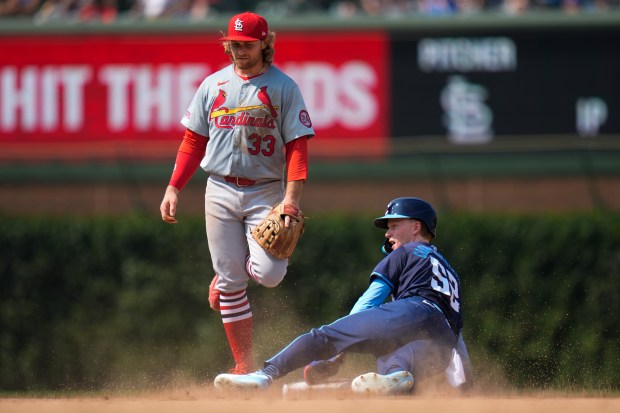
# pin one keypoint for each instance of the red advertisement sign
(110, 95)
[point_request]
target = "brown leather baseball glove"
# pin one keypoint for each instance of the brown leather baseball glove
(274, 237)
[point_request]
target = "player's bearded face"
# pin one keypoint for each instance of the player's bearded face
(247, 55)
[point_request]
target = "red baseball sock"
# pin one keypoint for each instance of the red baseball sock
(237, 319)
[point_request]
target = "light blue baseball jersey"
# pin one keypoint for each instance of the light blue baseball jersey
(248, 122)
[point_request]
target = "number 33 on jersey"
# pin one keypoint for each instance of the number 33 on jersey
(248, 121)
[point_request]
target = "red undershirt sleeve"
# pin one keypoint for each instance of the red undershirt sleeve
(297, 159)
(190, 154)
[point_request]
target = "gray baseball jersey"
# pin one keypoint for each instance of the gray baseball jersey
(248, 122)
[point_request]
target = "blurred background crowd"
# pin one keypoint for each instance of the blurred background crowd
(108, 11)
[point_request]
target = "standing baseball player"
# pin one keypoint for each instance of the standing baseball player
(248, 127)
(417, 334)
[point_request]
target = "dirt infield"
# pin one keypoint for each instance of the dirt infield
(272, 402)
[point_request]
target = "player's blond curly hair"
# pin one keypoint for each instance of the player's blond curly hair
(268, 52)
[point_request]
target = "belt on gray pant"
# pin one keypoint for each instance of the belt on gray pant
(239, 181)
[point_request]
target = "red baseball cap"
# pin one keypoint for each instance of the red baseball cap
(247, 27)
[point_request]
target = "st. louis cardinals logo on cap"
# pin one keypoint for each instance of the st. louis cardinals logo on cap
(247, 27)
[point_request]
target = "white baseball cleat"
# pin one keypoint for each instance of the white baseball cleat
(249, 381)
(390, 384)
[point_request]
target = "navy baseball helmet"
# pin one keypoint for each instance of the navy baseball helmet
(410, 207)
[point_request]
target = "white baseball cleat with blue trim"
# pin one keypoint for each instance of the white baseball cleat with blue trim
(400, 382)
(251, 381)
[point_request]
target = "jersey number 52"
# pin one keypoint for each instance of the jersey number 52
(444, 282)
